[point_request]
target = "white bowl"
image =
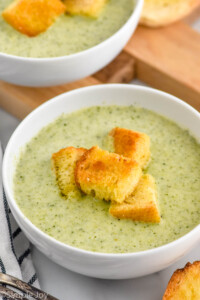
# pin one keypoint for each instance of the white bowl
(110, 266)
(59, 70)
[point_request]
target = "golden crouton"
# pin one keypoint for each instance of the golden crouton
(141, 205)
(107, 176)
(184, 283)
(91, 8)
(31, 17)
(157, 13)
(64, 162)
(132, 144)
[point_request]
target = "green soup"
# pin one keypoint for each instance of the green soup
(68, 35)
(85, 222)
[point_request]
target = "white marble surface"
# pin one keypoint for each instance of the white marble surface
(66, 285)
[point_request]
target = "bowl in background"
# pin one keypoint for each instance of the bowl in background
(100, 265)
(58, 70)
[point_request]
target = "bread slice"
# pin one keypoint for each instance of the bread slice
(107, 176)
(64, 162)
(91, 8)
(184, 283)
(132, 144)
(163, 12)
(141, 205)
(31, 17)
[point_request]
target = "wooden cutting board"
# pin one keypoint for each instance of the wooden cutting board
(166, 58)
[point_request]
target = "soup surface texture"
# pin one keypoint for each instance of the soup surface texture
(68, 35)
(85, 222)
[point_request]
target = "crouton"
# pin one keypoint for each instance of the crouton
(184, 283)
(91, 8)
(157, 13)
(31, 17)
(132, 144)
(107, 176)
(64, 162)
(141, 205)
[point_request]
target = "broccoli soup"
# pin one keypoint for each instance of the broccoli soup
(84, 221)
(68, 35)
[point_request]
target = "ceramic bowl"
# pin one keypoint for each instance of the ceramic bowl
(110, 266)
(53, 71)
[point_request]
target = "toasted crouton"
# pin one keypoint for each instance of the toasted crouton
(141, 205)
(31, 17)
(132, 144)
(91, 8)
(157, 13)
(64, 162)
(184, 283)
(107, 176)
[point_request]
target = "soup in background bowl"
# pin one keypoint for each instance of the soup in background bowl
(82, 118)
(72, 48)
(68, 35)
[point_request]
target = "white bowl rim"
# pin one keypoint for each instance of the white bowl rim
(137, 8)
(64, 246)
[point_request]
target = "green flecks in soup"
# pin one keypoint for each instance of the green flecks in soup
(85, 222)
(68, 35)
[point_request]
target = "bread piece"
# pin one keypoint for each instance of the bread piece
(91, 8)
(107, 176)
(31, 17)
(184, 283)
(64, 162)
(163, 12)
(141, 205)
(132, 144)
